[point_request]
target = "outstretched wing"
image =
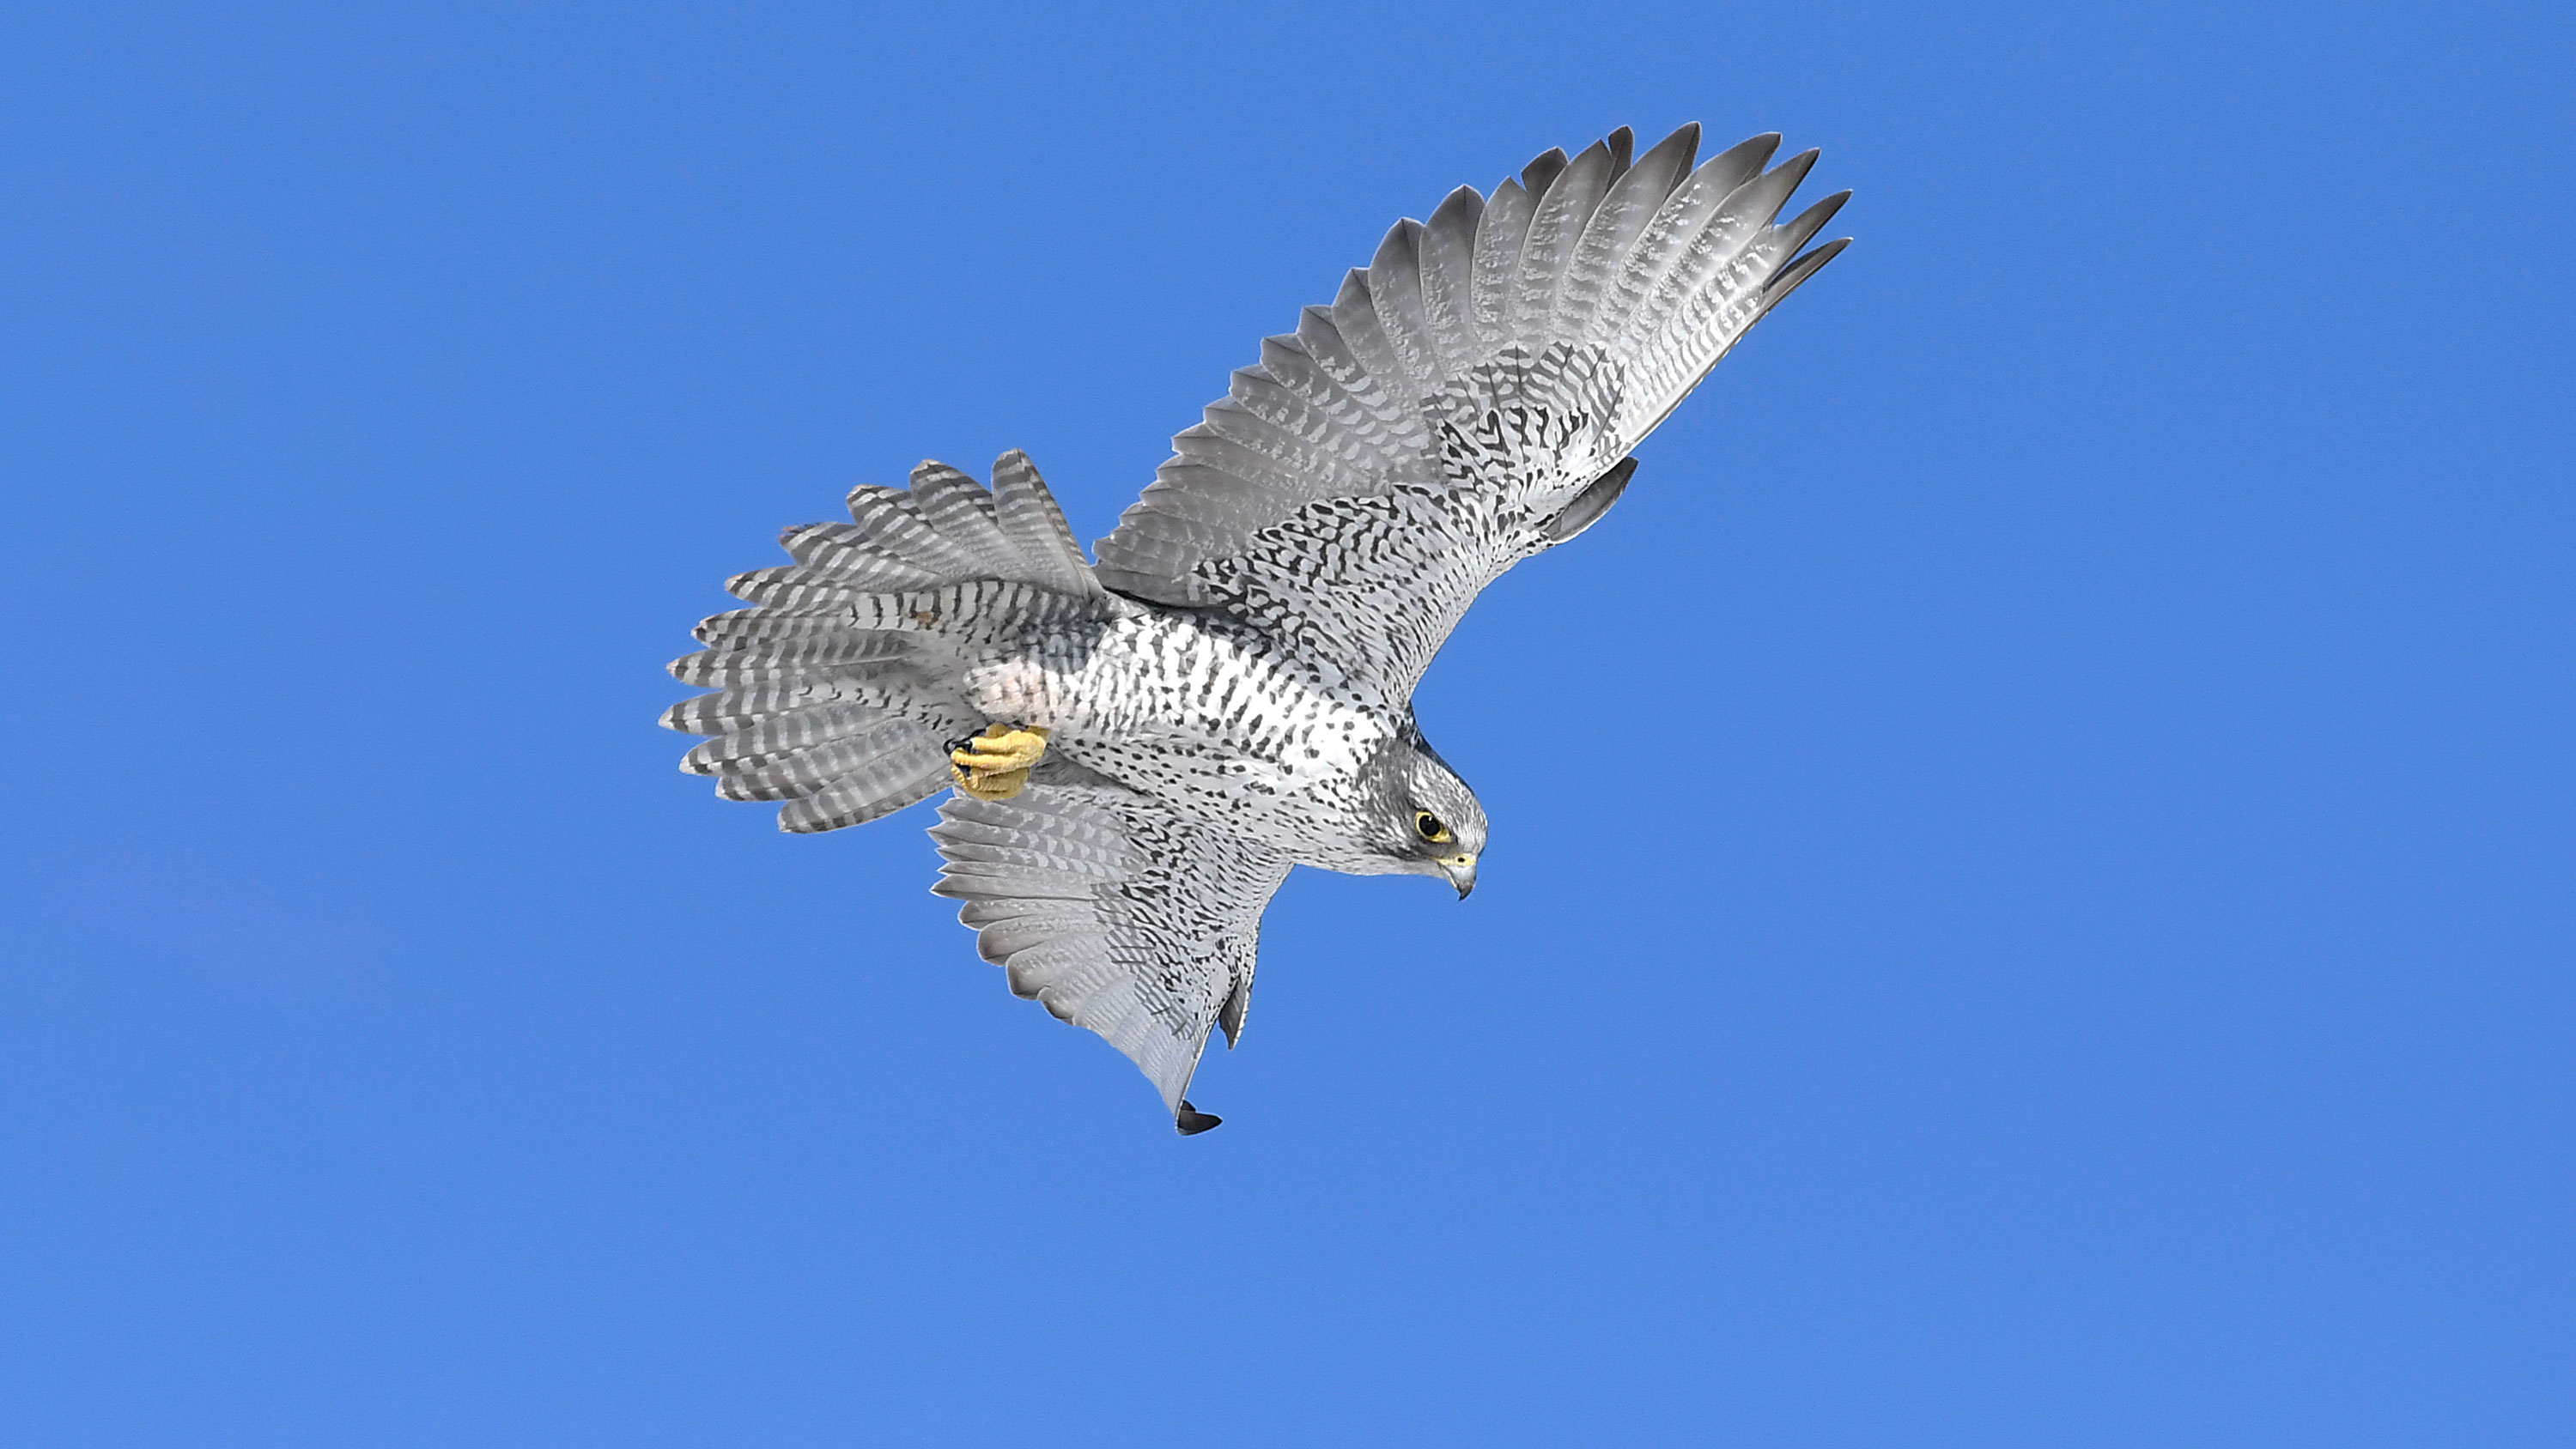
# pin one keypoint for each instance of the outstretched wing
(1469, 400)
(1114, 913)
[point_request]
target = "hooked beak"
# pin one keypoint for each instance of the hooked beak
(1461, 870)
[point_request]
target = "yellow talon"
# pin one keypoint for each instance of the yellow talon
(995, 764)
(1001, 786)
(1002, 747)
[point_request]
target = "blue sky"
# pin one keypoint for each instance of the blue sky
(2103, 980)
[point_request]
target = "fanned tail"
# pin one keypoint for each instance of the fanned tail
(837, 693)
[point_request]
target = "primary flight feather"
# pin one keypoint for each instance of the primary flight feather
(1142, 746)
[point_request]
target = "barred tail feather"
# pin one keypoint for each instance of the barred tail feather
(837, 692)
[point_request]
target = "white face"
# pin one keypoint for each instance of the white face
(1413, 816)
(1440, 829)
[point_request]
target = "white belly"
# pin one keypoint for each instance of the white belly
(1203, 720)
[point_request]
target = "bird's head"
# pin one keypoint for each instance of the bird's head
(1423, 820)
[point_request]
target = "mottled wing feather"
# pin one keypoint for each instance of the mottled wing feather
(1118, 916)
(1446, 415)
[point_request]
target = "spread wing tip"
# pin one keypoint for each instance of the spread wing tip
(1794, 275)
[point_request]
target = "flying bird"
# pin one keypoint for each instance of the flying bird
(1140, 747)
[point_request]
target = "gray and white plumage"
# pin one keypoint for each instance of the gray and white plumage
(1227, 692)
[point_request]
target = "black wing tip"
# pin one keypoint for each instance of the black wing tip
(1791, 277)
(1758, 148)
(1189, 1121)
(1682, 146)
(1806, 224)
(1543, 170)
(1824, 210)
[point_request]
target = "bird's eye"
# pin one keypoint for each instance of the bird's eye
(1428, 826)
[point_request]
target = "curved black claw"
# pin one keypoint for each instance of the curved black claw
(1191, 1121)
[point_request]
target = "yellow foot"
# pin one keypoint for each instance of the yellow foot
(995, 764)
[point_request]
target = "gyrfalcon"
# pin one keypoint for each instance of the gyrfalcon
(1143, 745)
